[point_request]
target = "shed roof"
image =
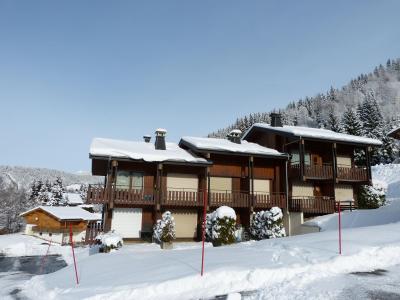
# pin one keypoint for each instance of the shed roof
(66, 213)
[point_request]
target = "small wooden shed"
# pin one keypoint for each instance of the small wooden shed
(52, 223)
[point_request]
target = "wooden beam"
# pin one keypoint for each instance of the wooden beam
(368, 161)
(301, 156)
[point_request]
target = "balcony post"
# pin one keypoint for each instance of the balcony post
(301, 156)
(251, 176)
(159, 195)
(112, 179)
(368, 161)
(334, 163)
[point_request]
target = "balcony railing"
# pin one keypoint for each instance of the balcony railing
(268, 200)
(97, 194)
(325, 171)
(312, 204)
(182, 197)
(352, 173)
(185, 197)
(229, 198)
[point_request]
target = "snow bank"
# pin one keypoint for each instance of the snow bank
(110, 239)
(273, 265)
(389, 176)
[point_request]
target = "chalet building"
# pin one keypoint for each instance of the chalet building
(395, 133)
(53, 223)
(143, 179)
(321, 168)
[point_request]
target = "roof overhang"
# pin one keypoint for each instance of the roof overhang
(254, 129)
(395, 133)
(222, 152)
(168, 162)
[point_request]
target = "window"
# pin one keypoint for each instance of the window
(221, 184)
(295, 158)
(127, 180)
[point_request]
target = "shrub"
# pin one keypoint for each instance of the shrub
(221, 226)
(164, 229)
(267, 224)
(109, 241)
(371, 196)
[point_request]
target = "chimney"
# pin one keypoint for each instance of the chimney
(160, 139)
(276, 120)
(147, 138)
(234, 136)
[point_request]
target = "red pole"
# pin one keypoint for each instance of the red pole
(73, 252)
(204, 230)
(340, 230)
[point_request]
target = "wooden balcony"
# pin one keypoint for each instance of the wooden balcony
(324, 171)
(97, 194)
(229, 198)
(269, 200)
(345, 173)
(182, 197)
(312, 204)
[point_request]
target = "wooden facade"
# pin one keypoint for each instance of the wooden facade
(322, 164)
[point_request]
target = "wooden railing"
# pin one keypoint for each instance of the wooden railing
(352, 173)
(182, 197)
(324, 171)
(269, 200)
(312, 204)
(229, 198)
(97, 194)
(185, 197)
(346, 205)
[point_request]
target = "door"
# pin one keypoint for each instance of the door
(185, 223)
(127, 222)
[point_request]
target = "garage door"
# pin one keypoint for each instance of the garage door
(185, 223)
(343, 192)
(127, 222)
(302, 190)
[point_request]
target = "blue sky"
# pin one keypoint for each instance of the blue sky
(74, 70)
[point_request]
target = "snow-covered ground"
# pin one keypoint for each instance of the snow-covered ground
(299, 267)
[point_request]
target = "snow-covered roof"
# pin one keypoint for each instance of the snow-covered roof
(66, 213)
(142, 151)
(394, 133)
(215, 144)
(315, 133)
(73, 198)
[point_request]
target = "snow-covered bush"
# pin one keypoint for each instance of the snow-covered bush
(221, 226)
(267, 224)
(371, 196)
(164, 229)
(109, 241)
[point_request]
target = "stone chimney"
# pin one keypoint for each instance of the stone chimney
(276, 120)
(234, 136)
(160, 139)
(147, 138)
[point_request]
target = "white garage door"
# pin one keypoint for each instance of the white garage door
(344, 192)
(185, 223)
(127, 222)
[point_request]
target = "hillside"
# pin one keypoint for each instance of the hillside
(382, 84)
(22, 177)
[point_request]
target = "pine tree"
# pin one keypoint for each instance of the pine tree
(57, 190)
(333, 121)
(351, 122)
